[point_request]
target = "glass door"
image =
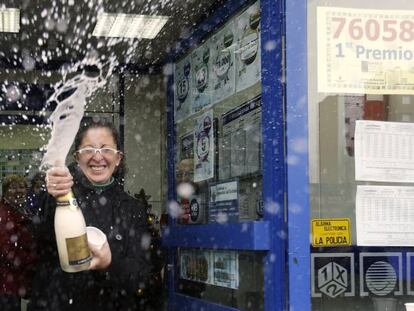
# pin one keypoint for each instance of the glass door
(219, 236)
(361, 137)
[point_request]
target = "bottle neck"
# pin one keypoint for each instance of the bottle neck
(65, 197)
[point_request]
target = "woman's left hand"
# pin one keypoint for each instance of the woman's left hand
(101, 256)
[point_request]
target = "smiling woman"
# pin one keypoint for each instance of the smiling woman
(120, 268)
(97, 154)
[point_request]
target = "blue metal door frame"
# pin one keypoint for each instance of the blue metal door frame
(284, 232)
(274, 168)
(298, 211)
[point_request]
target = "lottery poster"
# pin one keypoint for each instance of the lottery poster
(365, 51)
(248, 69)
(204, 147)
(226, 269)
(201, 86)
(223, 67)
(196, 265)
(182, 85)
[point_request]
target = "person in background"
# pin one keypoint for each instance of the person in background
(36, 190)
(17, 247)
(120, 269)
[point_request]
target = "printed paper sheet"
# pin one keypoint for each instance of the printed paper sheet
(384, 151)
(385, 216)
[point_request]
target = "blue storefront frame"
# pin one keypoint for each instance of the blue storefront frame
(284, 235)
(298, 208)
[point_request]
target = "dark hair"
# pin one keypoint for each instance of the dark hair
(11, 179)
(39, 176)
(91, 124)
(85, 126)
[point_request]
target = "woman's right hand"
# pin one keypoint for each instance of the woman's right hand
(58, 181)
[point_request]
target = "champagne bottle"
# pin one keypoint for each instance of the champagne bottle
(70, 231)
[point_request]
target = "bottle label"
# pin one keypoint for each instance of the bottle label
(78, 250)
(62, 203)
(70, 202)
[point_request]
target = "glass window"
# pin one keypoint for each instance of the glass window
(213, 275)
(361, 121)
(217, 114)
(217, 110)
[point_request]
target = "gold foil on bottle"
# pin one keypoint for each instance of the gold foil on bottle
(78, 250)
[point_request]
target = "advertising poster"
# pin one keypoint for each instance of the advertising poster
(196, 265)
(226, 269)
(200, 74)
(182, 86)
(248, 67)
(223, 62)
(224, 202)
(186, 146)
(240, 143)
(204, 147)
(365, 51)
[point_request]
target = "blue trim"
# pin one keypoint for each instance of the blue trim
(171, 185)
(186, 303)
(274, 169)
(297, 131)
(250, 236)
(219, 17)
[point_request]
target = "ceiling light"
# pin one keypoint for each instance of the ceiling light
(129, 25)
(9, 20)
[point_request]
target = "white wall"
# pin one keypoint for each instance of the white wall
(145, 133)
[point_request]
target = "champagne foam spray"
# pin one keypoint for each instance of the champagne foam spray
(70, 96)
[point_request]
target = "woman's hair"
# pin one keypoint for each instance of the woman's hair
(9, 180)
(85, 126)
(120, 170)
(38, 177)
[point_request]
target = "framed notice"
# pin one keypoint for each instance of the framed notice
(223, 67)
(224, 202)
(248, 48)
(365, 51)
(241, 140)
(200, 74)
(182, 86)
(196, 265)
(204, 147)
(226, 269)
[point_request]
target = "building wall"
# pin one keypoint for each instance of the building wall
(145, 137)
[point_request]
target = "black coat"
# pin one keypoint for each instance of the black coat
(124, 220)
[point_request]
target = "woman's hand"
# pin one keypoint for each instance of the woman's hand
(58, 181)
(101, 256)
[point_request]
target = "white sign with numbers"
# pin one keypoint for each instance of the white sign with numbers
(365, 51)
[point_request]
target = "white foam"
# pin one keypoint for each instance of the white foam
(69, 111)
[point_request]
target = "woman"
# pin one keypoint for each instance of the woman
(120, 268)
(17, 247)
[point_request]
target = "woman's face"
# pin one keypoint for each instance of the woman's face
(98, 166)
(16, 193)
